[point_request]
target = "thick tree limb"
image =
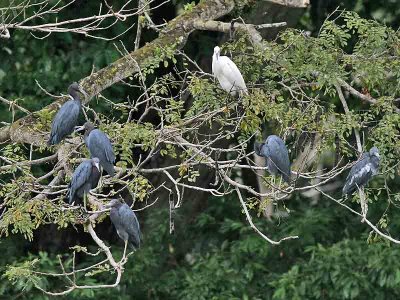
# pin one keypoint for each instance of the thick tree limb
(174, 36)
(227, 27)
(291, 3)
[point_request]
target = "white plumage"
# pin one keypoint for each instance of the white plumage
(228, 74)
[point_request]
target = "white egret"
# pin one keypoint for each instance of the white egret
(228, 74)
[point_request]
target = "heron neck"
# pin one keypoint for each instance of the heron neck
(86, 135)
(75, 96)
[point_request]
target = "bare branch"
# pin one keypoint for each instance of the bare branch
(249, 219)
(374, 228)
(357, 94)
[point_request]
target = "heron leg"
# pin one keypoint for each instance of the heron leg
(126, 245)
(84, 201)
(273, 187)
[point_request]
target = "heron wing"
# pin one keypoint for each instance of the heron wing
(65, 121)
(80, 177)
(130, 223)
(94, 178)
(278, 155)
(356, 168)
(359, 174)
(100, 146)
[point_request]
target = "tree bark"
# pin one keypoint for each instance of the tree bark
(174, 36)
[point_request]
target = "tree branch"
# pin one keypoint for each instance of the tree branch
(249, 219)
(174, 36)
(359, 95)
(227, 27)
(291, 3)
(363, 200)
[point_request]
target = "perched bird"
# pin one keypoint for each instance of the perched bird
(67, 117)
(85, 178)
(99, 145)
(125, 222)
(362, 172)
(277, 156)
(228, 74)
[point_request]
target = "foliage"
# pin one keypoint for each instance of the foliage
(214, 254)
(345, 270)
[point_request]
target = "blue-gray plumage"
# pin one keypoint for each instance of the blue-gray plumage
(125, 222)
(85, 178)
(99, 145)
(67, 117)
(362, 172)
(277, 156)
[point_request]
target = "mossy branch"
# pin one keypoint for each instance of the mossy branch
(174, 36)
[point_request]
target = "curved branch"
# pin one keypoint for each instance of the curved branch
(374, 228)
(249, 219)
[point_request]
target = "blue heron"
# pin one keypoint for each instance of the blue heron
(228, 74)
(85, 178)
(277, 156)
(67, 117)
(126, 223)
(99, 145)
(362, 172)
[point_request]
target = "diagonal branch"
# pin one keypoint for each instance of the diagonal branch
(359, 95)
(249, 219)
(174, 37)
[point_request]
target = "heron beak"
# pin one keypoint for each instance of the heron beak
(97, 166)
(79, 128)
(109, 204)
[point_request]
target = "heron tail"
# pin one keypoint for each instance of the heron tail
(347, 189)
(52, 140)
(134, 245)
(286, 177)
(71, 196)
(109, 168)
